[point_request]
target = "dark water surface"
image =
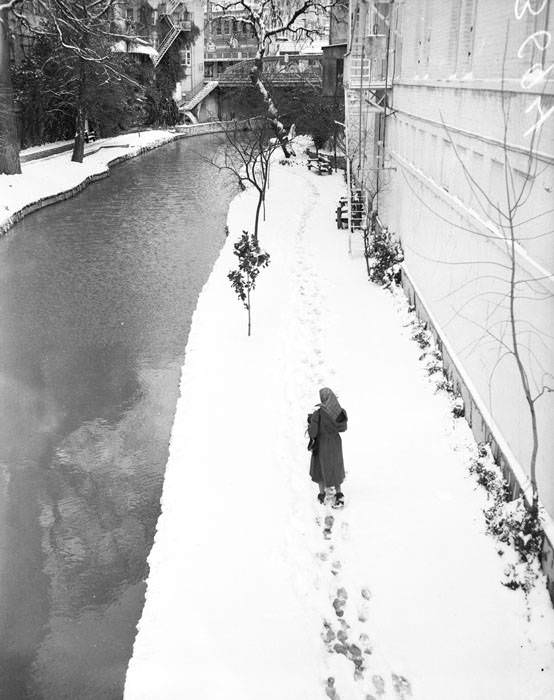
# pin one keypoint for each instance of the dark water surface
(96, 297)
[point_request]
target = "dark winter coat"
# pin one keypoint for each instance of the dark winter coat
(327, 464)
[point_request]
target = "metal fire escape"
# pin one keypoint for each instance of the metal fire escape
(176, 26)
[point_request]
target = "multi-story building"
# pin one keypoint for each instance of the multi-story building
(333, 52)
(153, 28)
(228, 40)
(158, 25)
(451, 130)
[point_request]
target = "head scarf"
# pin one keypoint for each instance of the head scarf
(329, 402)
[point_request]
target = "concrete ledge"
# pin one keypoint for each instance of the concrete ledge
(483, 426)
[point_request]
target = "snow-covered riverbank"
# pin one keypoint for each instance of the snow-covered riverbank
(244, 582)
(55, 177)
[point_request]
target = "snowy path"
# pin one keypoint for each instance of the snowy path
(256, 591)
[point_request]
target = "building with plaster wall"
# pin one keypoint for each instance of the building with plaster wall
(450, 109)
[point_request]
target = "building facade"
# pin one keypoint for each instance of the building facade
(451, 126)
(160, 25)
(228, 40)
(333, 52)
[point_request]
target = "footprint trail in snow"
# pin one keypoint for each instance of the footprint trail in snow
(355, 670)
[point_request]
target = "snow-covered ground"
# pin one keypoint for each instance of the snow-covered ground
(56, 173)
(256, 592)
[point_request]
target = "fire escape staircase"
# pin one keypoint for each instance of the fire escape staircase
(175, 28)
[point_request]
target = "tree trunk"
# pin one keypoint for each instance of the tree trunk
(248, 307)
(257, 219)
(9, 138)
(272, 112)
(79, 145)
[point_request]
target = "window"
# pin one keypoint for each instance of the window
(188, 57)
(226, 26)
(130, 14)
(340, 71)
(218, 26)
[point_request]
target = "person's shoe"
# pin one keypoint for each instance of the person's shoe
(339, 500)
(321, 498)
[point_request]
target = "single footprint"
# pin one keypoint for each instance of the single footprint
(365, 644)
(366, 593)
(342, 593)
(328, 635)
(379, 684)
(330, 689)
(329, 521)
(363, 613)
(339, 607)
(336, 567)
(401, 686)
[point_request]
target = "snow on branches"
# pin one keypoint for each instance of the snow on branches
(270, 19)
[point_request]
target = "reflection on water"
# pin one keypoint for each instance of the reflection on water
(96, 296)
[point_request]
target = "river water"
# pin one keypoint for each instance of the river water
(96, 298)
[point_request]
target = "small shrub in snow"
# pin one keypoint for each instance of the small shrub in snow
(251, 261)
(445, 384)
(384, 256)
(434, 354)
(458, 408)
(421, 335)
(432, 366)
(510, 522)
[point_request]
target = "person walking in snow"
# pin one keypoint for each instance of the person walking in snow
(327, 464)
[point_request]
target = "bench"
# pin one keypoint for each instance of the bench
(320, 164)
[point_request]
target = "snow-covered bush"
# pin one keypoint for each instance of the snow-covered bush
(517, 530)
(510, 522)
(458, 409)
(421, 335)
(384, 255)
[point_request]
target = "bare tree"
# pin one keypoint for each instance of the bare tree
(269, 20)
(247, 156)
